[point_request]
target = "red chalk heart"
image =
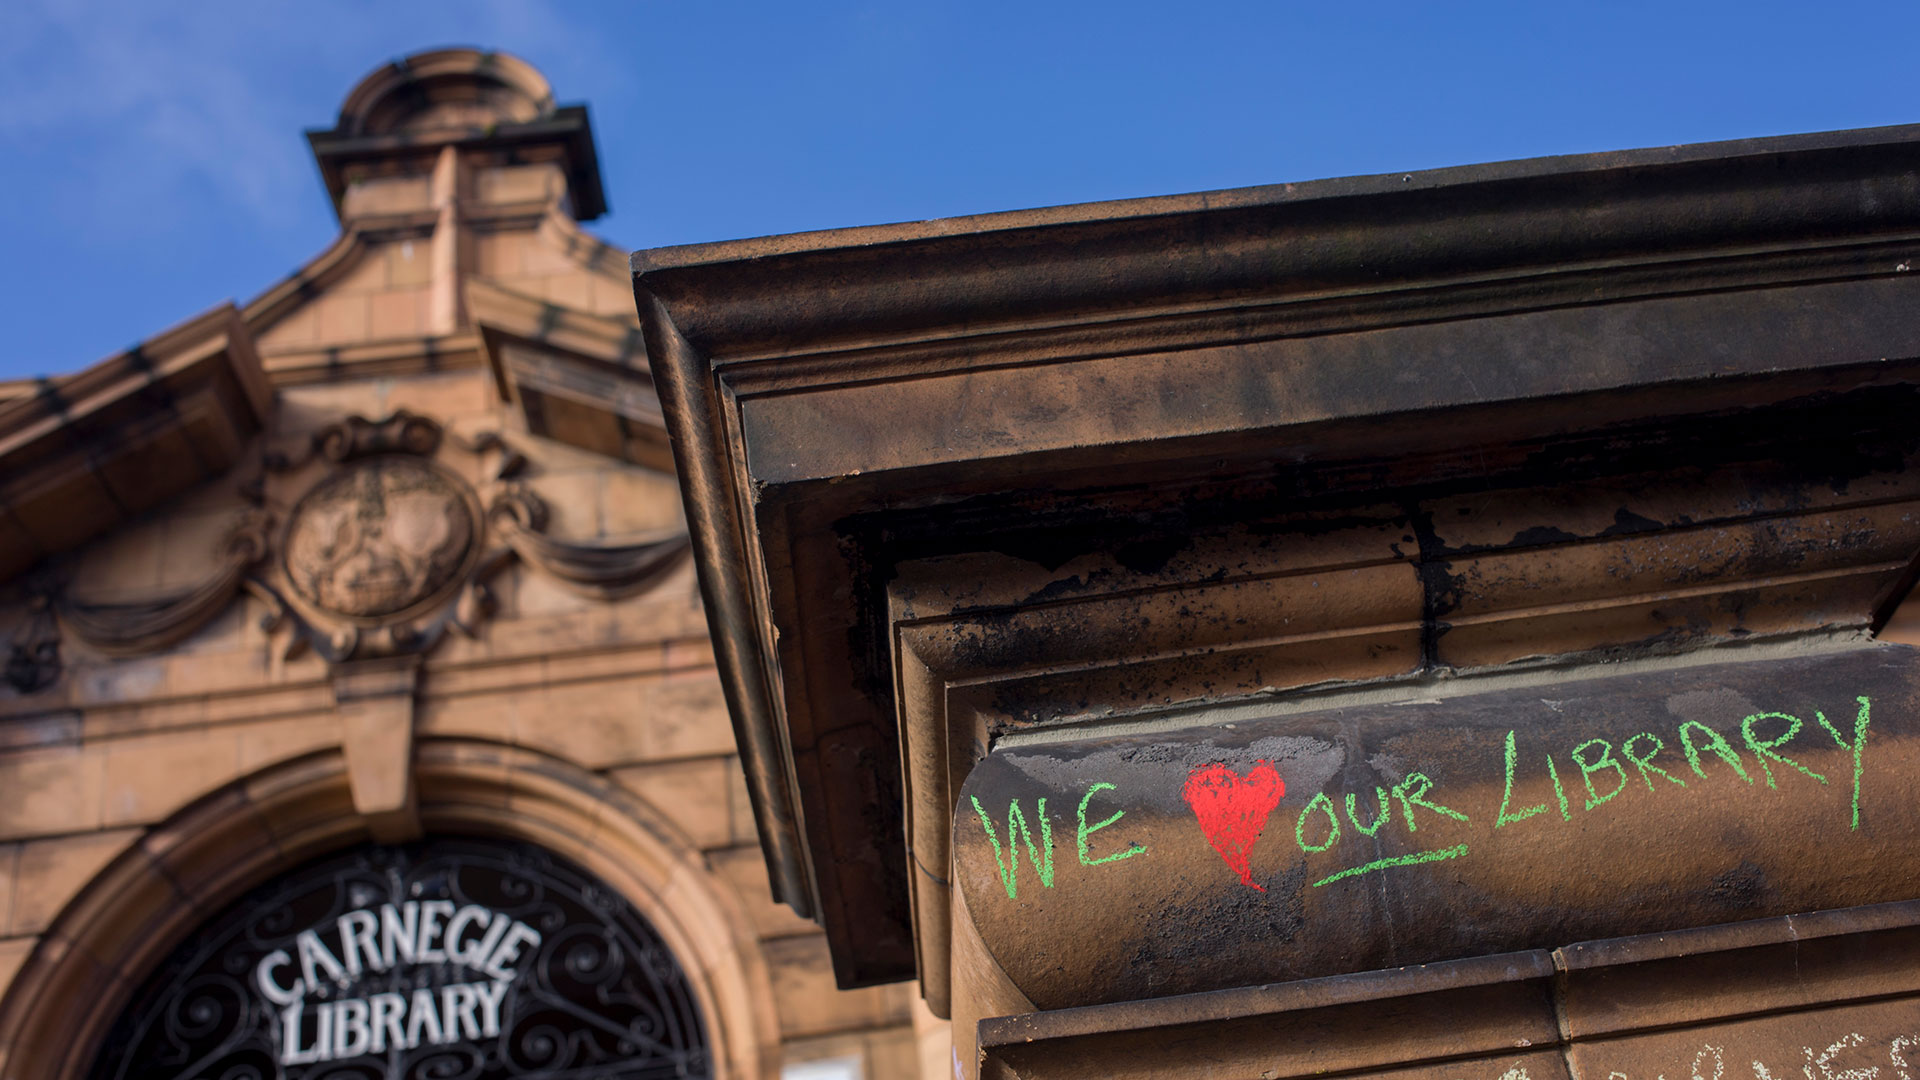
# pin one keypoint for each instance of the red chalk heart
(1233, 809)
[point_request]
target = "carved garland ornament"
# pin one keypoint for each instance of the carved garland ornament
(151, 625)
(381, 556)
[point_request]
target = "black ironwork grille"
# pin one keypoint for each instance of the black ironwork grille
(552, 975)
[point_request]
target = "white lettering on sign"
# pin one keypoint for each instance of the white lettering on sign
(484, 941)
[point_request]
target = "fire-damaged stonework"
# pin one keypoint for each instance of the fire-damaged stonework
(1380, 836)
(1441, 624)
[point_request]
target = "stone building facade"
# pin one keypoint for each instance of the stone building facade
(390, 557)
(1432, 626)
(1453, 625)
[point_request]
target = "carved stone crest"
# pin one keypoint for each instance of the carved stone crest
(380, 537)
(381, 555)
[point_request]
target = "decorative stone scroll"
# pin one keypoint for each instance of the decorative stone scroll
(402, 432)
(381, 537)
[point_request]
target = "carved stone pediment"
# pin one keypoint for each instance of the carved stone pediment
(382, 546)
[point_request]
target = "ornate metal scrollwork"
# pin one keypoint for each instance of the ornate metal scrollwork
(597, 995)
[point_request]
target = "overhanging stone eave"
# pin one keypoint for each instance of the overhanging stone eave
(195, 390)
(709, 313)
(1115, 211)
(781, 522)
(1504, 223)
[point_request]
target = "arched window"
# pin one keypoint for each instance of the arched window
(448, 958)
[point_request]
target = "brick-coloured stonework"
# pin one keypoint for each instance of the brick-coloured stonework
(107, 761)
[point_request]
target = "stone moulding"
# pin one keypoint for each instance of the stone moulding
(573, 377)
(1501, 356)
(110, 937)
(82, 455)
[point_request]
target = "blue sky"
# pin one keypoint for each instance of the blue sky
(152, 163)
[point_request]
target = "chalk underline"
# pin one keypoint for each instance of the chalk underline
(1396, 860)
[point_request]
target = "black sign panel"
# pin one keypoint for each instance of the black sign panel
(450, 959)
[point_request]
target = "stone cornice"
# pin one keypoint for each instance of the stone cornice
(1049, 384)
(89, 452)
(1534, 233)
(389, 117)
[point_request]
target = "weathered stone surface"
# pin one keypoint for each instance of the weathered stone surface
(13, 953)
(147, 777)
(692, 794)
(1373, 836)
(802, 976)
(137, 791)
(50, 872)
(379, 537)
(51, 790)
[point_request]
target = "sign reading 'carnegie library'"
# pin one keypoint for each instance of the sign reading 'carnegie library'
(393, 937)
(451, 957)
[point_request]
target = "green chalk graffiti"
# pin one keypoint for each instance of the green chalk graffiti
(1645, 764)
(1858, 748)
(1412, 792)
(1763, 751)
(1041, 857)
(1395, 860)
(1559, 793)
(1322, 803)
(1084, 830)
(1587, 769)
(1719, 746)
(1506, 796)
(1379, 819)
